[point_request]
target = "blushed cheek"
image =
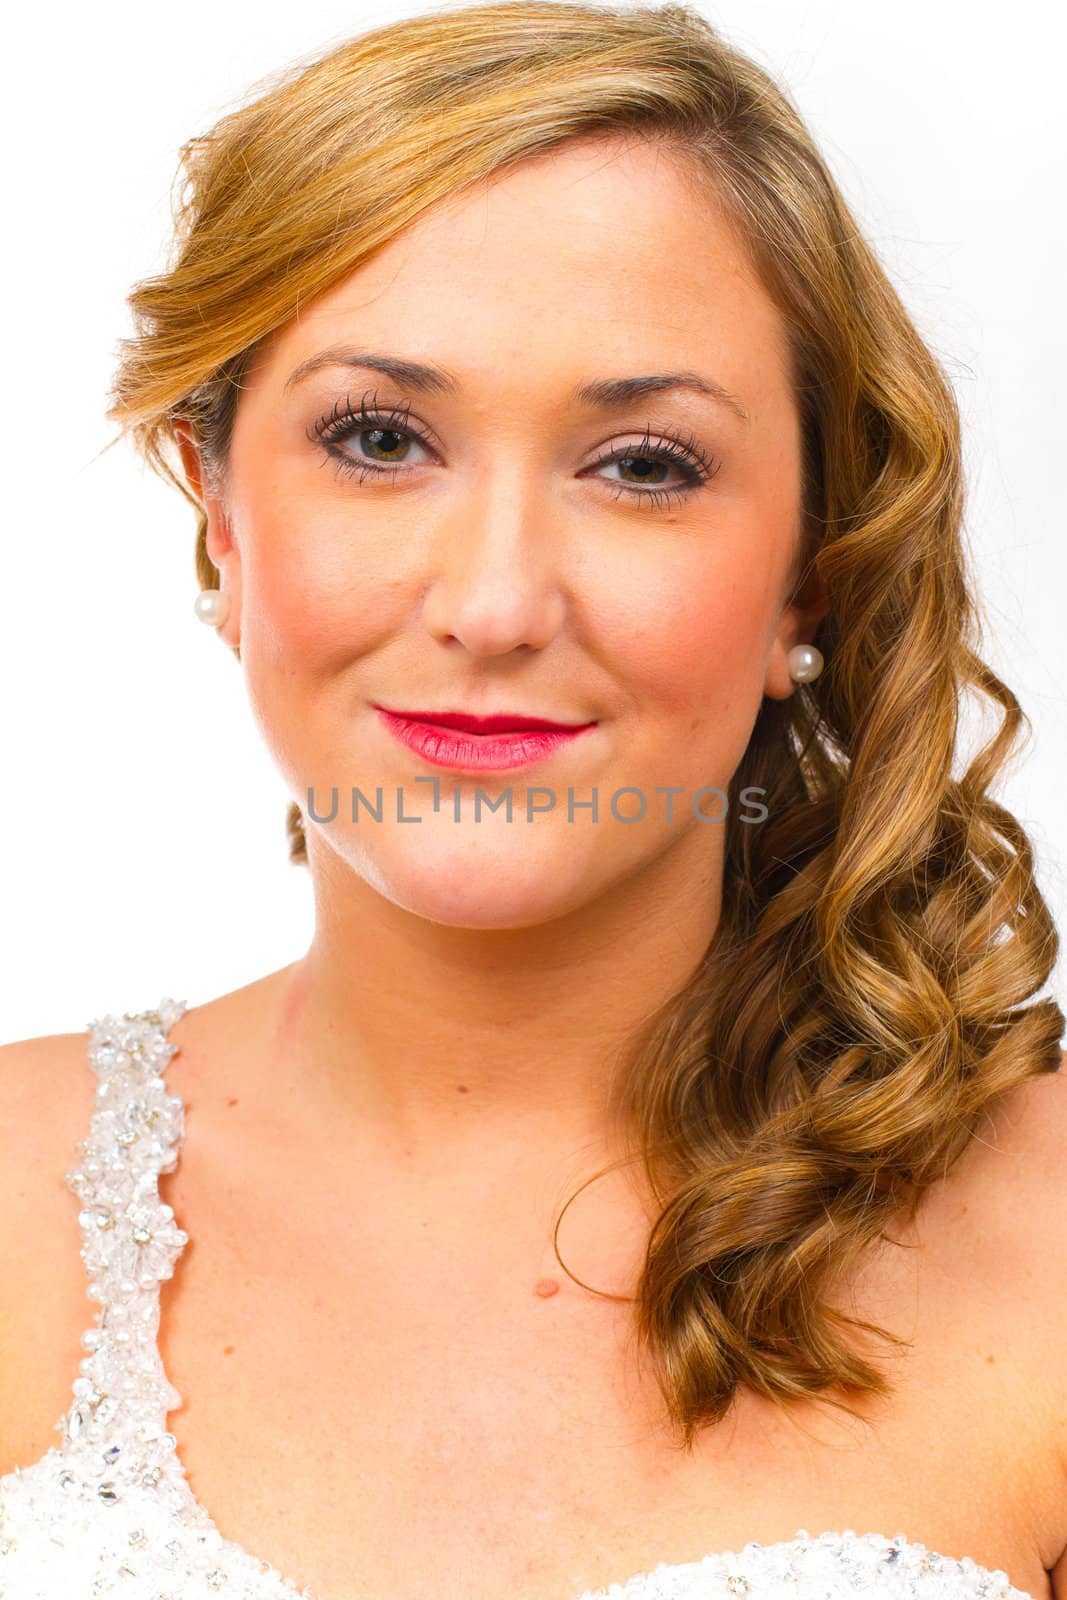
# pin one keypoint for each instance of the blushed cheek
(699, 648)
(312, 609)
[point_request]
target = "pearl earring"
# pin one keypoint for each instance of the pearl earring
(805, 663)
(212, 606)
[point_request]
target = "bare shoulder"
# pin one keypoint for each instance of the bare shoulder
(1039, 1123)
(1015, 1195)
(1023, 1155)
(1014, 1202)
(45, 1085)
(47, 1091)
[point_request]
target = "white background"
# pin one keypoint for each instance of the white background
(142, 822)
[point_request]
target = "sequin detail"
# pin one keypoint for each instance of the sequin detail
(109, 1510)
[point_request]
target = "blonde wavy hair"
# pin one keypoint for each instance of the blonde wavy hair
(860, 1006)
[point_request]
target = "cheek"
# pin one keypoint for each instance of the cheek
(695, 639)
(310, 607)
(705, 618)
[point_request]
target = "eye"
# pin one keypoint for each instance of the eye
(685, 456)
(384, 438)
(385, 433)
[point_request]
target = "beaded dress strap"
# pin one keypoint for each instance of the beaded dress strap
(131, 1243)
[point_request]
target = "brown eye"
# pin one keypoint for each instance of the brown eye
(384, 438)
(386, 435)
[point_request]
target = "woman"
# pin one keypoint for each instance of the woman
(652, 1154)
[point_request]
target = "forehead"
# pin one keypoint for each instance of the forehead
(602, 256)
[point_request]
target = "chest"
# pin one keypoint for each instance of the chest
(378, 1408)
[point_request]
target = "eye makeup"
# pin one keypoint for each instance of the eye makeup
(390, 429)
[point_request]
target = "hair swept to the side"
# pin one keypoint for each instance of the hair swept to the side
(861, 1005)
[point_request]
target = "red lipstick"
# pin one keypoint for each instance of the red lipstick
(463, 742)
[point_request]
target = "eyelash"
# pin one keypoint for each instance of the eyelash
(344, 421)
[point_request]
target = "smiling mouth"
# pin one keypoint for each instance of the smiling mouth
(490, 748)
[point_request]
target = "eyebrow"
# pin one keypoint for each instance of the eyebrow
(604, 394)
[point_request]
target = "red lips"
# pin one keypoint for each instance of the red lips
(504, 723)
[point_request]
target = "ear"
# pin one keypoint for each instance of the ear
(796, 625)
(221, 546)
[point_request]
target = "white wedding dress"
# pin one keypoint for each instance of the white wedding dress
(109, 1511)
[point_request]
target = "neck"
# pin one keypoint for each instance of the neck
(441, 1039)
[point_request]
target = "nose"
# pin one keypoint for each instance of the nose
(495, 582)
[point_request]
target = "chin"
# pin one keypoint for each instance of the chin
(473, 885)
(482, 917)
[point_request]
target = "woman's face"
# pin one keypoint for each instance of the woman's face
(480, 553)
